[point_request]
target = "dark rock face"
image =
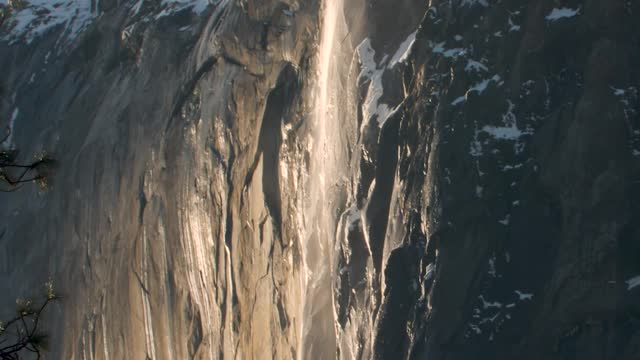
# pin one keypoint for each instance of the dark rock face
(488, 207)
(518, 159)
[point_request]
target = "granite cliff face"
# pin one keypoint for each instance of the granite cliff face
(518, 167)
(325, 179)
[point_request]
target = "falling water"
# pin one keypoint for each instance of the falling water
(325, 187)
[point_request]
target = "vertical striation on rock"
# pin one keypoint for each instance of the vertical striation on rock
(169, 223)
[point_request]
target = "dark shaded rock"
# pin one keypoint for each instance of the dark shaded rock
(525, 169)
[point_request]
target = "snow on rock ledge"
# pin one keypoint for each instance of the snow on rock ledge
(37, 17)
(562, 13)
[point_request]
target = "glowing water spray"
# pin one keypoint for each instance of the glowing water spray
(327, 167)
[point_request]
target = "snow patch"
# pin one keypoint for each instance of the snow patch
(513, 26)
(478, 88)
(482, 86)
(370, 70)
(524, 296)
(562, 13)
(503, 132)
(39, 17)
(403, 51)
(488, 304)
(492, 267)
(512, 167)
(439, 48)
(354, 217)
(633, 282)
(173, 6)
(136, 8)
(618, 92)
(475, 328)
(8, 144)
(475, 66)
(510, 130)
(431, 270)
(459, 100)
(474, 2)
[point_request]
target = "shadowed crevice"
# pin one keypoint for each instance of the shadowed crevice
(278, 103)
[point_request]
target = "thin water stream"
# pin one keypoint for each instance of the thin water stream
(325, 192)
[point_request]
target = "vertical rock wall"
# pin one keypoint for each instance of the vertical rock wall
(518, 166)
(166, 228)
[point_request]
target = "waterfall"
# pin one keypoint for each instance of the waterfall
(326, 185)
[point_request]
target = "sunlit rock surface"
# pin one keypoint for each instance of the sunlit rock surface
(317, 179)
